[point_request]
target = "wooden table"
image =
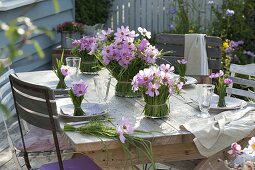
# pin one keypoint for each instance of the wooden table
(171, 144)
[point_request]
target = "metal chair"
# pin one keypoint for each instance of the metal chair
(247, 71)
(175, 43)
(36, 105)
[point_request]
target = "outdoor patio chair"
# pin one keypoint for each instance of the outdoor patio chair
(37, 138)
(239, 75)
(36, 105)
(175, 43)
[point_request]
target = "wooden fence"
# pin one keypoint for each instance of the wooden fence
(157, 15)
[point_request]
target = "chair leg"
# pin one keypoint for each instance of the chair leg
(16, 160)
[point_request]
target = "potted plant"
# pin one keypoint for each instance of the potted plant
(69, 30)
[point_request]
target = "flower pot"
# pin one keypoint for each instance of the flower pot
(221, 102)
(124, 89)
(67, 38)
(61, 83)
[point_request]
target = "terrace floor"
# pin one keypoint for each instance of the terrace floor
(7, 163)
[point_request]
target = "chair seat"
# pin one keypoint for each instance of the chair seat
(41, 140)
(79, 163)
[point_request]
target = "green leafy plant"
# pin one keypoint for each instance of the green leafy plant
(91, 12)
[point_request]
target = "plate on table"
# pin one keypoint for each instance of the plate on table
(61, 92)
(231, 103)
(190, 80)
(91, 110)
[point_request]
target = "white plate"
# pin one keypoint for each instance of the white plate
(91, 110)
(231, 103)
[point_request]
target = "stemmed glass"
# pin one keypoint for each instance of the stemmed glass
(102, 85)
(204, 93)
(74, 65)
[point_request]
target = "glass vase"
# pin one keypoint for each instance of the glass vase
(221, 102)
(89, 64)
(183, 79)
(61, 83)
(157, 106)
(124, 89)
(78, 111)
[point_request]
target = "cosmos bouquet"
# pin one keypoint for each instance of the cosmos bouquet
(157, 85)
(77, 92)
(124, 53)
(221, 86)
(82, 48)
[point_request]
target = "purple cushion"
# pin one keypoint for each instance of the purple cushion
(39, 140)
(79, 163)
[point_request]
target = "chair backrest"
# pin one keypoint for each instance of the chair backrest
(176, 42)
(248, 70)
(35, 104)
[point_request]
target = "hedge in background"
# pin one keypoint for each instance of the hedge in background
(91, 12)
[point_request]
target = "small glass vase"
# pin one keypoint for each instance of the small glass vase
(78, 111)
(61, 83)
(183, 79)
(221, 102)
(157, 106)
(89, 64)
(124, 89)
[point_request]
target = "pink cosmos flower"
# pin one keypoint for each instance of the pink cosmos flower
(143, 45)
(144, 32)
(65, 70)
(144, 76)
(182, 61)
(151, 54)
(235, 149)
(166, 77)
(252, 145)
(216, 75)
(180, 85)
(135, 85)
(79, 88)
(153, 89)
(228, 81)
(124, 34)
(124, 127)
(104, 35)
(166, 68)
(76, 43)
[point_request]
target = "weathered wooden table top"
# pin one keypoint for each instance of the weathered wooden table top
(165, 131)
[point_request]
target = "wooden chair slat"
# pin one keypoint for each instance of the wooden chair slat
(248, 69)
(39, 105)
(179, 39)
(237, 80)
(178, 50)
(176, 43)
(240, 92)
(5, 89)
(213, 63)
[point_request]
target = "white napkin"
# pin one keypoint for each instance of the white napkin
(195, 53)
(217, 133)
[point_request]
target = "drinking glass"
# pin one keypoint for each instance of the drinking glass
(204, 94)
(102, 85)
(74, 66)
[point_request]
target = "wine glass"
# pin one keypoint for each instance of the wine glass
(74, 66)
(102, 85)
(204, 93)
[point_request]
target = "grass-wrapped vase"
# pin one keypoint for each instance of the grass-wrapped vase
(89, 62)
(157, 85)
(157, 106)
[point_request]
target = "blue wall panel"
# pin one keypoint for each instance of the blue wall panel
(42, 14)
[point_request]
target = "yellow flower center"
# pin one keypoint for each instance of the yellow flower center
(253, 146)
